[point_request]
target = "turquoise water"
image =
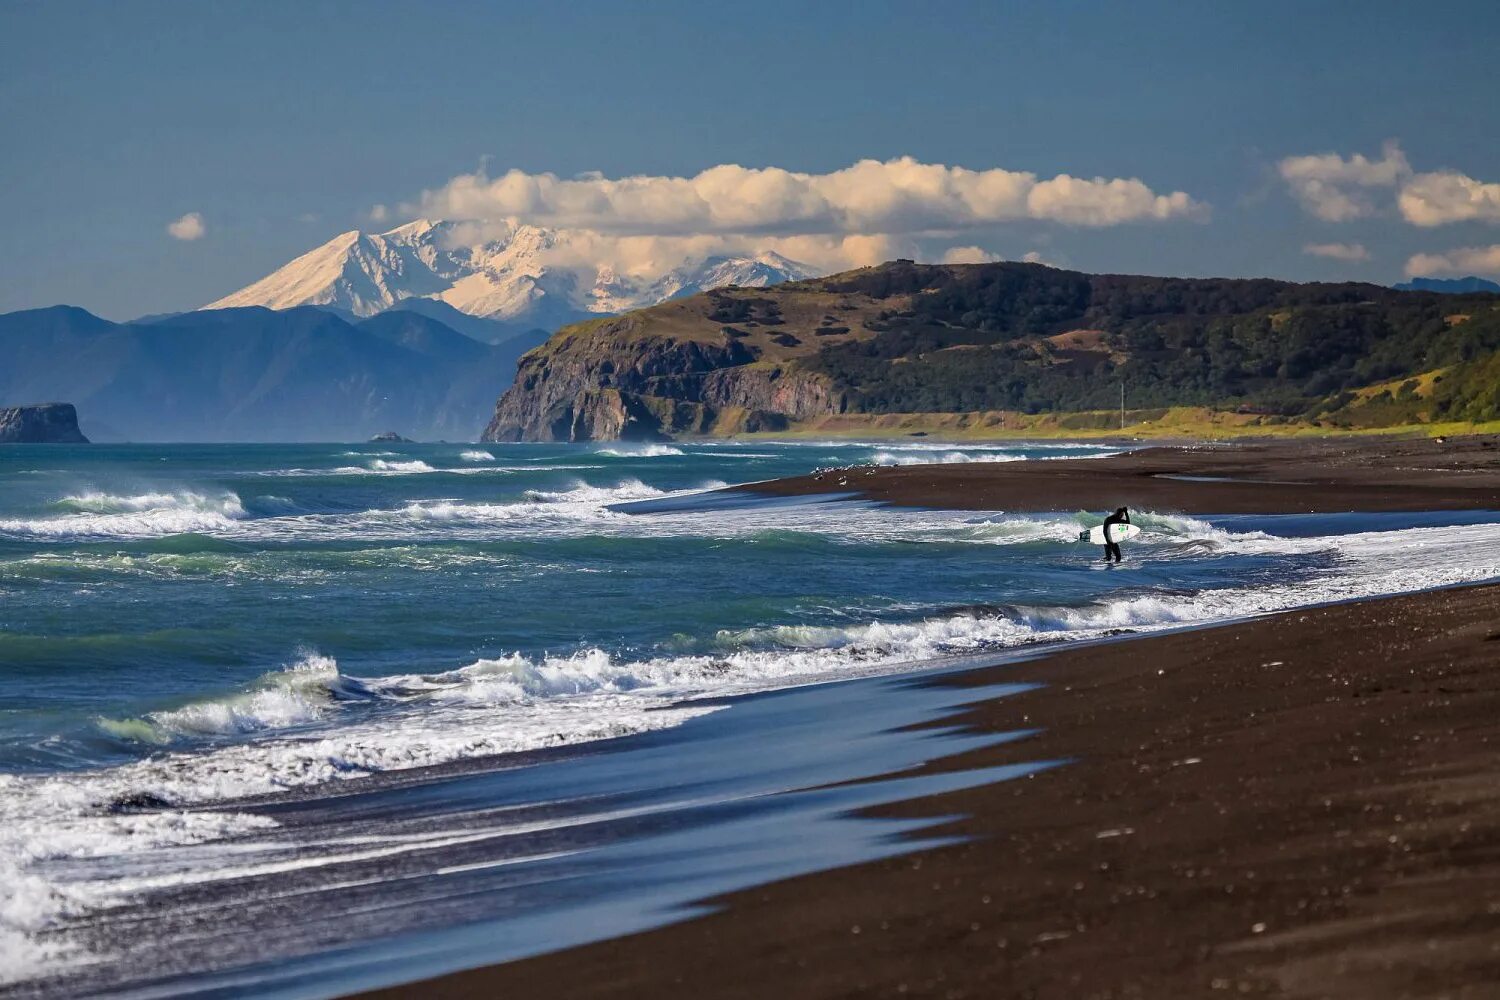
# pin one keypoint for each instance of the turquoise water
(183, 627)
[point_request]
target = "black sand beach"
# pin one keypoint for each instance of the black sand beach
(1301, 805)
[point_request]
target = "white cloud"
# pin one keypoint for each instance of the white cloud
(1460, 262)
(1433, 199)
(968, 255)
(379, 213)
(1337, 251)
(1101, 202)
(190, 227)
(1337, 189)
(869, 212)
(899, 197)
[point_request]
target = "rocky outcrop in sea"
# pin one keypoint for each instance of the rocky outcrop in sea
(42, 423)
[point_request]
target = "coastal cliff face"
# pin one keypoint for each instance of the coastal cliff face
(1009, 338)
(621, 379)
(44, 423)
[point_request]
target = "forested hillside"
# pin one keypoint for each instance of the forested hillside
(1032, 338)
(1024, 338)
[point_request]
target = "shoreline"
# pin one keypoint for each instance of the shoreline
(1369, 475)
(1298, 830)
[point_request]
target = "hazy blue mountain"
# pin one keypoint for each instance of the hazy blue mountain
(1452, 286)
(491, 331)
(254, 374)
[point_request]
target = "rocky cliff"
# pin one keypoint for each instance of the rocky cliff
(44, 423)
(715, 363)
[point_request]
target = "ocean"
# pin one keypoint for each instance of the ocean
(294, 720)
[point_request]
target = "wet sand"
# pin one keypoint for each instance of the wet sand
(1275, 477)
(1306, 804)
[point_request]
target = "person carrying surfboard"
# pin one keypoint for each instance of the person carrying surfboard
(1111, 546)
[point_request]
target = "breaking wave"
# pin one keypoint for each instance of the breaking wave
(929, 457)
(296, 695)
(639, 451)
(581, 492)
(143, 515)
(415, 465)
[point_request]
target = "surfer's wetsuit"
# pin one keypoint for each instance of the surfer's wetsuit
(1112, 548)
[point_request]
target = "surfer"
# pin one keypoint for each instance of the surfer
(1112, 547)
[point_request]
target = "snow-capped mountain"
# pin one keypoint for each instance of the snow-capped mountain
(529, 277)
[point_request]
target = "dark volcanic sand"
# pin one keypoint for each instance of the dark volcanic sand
(1306, 805)
(1279, 477)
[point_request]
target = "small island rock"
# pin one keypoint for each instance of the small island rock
(42, 423)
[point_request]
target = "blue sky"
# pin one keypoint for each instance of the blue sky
(283, 124)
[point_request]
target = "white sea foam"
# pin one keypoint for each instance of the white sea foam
(625, 450)
(581, 492)
(95, 502)
(142, 515)
(476, 456)
(931, 457)
(414, 465)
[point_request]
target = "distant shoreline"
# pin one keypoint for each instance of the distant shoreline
(1265, 477)
(1177, 423)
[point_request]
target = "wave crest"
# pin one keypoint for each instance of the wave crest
(385, 465)
(295, 695)
(142, 515)
(623, 450)
(928, 457)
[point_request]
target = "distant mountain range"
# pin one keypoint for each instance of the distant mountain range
(1451, 286)
(254, 374)
(516, 282)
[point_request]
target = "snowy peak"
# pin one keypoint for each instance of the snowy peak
(527, 274)
(361, 273)
(766, 268)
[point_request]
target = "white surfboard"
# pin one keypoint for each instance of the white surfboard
(1118, 533)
